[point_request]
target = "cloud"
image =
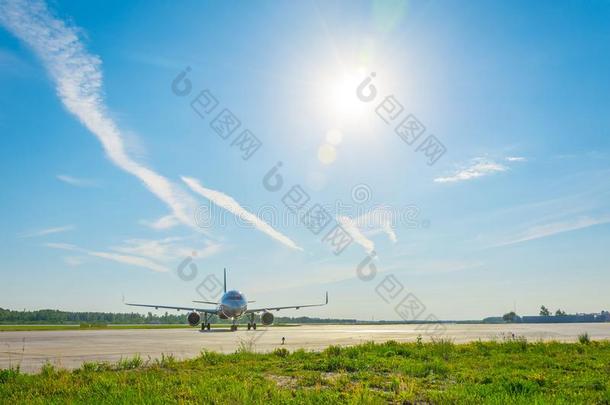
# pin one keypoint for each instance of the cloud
(209, 249)
(478, 167)
(165, 222)
(74, 181)
(229, 204)
(47, 231)
(64, 246)
(553, 228)
(378, 219)
(515, 159)
(131, 260)
(73, 261)
(167, 249)
(155, 255)
(350, 226)
(78, 79)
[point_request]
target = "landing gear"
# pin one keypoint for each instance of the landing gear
(234, 326)
(205, 324)
(252, 324)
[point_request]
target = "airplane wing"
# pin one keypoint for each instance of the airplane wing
(207, 302)
(207, 310)
(215, 303)
(248, 311)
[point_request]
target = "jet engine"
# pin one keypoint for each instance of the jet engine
(267, 318)
(194, 318)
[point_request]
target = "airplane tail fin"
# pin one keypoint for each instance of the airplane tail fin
(225, 279)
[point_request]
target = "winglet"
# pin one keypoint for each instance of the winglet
(225, 279)
(326, 297)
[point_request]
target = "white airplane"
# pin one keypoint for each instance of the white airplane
(232, 305)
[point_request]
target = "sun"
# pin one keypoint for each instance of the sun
(341, 97)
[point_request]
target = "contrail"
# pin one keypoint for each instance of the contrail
(229, 204)
(78, 79)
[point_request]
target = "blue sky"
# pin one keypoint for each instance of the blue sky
(107, 174)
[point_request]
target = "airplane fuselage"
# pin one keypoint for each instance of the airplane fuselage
(233, 304)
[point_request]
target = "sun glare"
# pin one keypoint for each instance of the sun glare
(342, 99)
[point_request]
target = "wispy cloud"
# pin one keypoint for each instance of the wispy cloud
(349, 225)
(553, 228)
(515, 159)
(377, 220)
(64, 246)
(478, 167)
(228, 203)
(116, 257)
(75, 181)
(47, 231)
(73, 261)
(131, 260)
(155, 255)
(78, 79)
(165, 222)
(167, 249)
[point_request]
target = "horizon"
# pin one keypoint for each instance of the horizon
(417, 160)
(281, 318)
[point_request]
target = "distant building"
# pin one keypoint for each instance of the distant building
(559, 319)
(603, 316)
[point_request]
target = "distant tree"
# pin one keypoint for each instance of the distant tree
(544, 311)
(559, 312)
(510, 317)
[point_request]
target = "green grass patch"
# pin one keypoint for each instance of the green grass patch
(438, 372)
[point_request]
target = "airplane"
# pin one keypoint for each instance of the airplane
(232, 305)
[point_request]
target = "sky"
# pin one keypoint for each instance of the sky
(460, 151)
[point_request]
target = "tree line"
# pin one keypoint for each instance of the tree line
(55, 317)
(544, 311)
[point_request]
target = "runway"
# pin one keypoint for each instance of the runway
(69, 349)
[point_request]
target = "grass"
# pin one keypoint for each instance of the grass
(438, 372)
(86, 326)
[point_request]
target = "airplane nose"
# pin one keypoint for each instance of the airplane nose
(231, 309)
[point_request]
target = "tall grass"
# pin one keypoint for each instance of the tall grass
(584, 338)
(439, 372)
